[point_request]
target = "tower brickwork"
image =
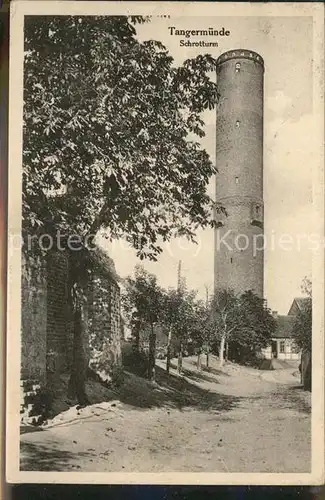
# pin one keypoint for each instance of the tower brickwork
(239, 181)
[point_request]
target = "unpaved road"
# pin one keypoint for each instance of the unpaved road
(235, 420)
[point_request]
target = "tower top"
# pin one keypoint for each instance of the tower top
(240, 54)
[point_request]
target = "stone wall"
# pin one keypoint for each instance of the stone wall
(104, 324)
(47, 322)
(33, 319)
(59, 325)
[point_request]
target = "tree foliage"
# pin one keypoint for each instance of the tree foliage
(256, 323)
(179, 312)
(108, 128)
(144, 299)
(307, 287)
(242, 321)
(110, 120)
(302, 328)
(203, 329)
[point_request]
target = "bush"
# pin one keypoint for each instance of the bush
(117, 376)
(244, 355)
(134, 361)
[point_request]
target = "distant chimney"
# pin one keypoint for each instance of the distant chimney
(275, 314)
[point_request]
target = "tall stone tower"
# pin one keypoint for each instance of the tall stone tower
(239, 181)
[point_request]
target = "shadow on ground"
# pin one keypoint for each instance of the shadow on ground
(210, 369)
(59, 402)
(172, 391)
(297, 399)
(27, 429)
(198, 376)
(42, 457)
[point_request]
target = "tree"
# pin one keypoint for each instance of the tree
(170, 313)
(203, 330)
(131, 300)
(302, 328)
(302, 333)
(179, 318)
(226, 319)
(306, 287)
(185, 323)
(107, 113)
(256, 325)
(146, 299)
(244, 322)
(107, 125)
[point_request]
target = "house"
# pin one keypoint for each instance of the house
(282, 343)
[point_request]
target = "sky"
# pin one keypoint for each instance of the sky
(285, 43)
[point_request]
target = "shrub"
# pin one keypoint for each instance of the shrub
(117, 376)
(134, 361)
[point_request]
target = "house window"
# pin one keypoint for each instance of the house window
(282, 347)
(237, 67)
(258, 210)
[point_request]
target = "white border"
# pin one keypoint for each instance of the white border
(41, 7)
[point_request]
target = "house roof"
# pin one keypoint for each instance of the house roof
(301, 302)
(298, 304)
(284, 327)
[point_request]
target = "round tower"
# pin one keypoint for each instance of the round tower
(239, 259)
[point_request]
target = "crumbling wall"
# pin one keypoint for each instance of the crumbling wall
(104, 325)
(47, 326)
(33, 318)
(59, 321)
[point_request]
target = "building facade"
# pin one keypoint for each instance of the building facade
(239, 180)
(282, 344)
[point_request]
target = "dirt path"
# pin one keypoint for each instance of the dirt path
(237, 420)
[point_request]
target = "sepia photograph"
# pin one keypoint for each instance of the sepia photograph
(165, 243)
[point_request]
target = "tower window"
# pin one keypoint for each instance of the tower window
(230, 260)
(237, 67)
(237, 123)
(257, 215)
(236, 180)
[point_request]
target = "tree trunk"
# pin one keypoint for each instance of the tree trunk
(78, 304)
(77, 382)
(306, 372)
(198, 364)
(207, 359)
(180, 358)
(221, 350)
(227, 352)
(169, 340)
(152, 354)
